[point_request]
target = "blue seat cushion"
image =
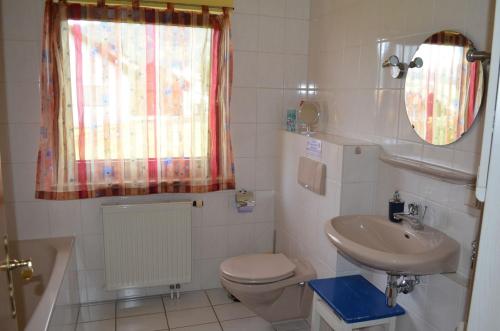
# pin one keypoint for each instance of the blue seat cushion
(354, 299)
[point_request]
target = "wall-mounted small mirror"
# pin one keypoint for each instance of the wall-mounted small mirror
(443, 92)
(308, 115)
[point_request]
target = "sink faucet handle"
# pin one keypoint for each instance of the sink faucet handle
(413, 209)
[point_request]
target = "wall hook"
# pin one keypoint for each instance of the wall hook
(398, 69)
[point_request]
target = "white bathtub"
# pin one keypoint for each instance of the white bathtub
(50, 300)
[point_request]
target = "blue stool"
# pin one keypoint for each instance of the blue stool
(350, 302)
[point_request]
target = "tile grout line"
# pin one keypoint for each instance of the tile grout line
(213, 309)
(215, 313)
(165, 310)
(116, 314)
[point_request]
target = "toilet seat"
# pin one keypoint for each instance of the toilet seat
(257, 268)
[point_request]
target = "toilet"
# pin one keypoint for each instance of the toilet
(271, 285)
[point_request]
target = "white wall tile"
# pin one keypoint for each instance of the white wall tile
(267, 140)
(244, 139)
(357, 198)
(393, 25)
(369, 64)
(264, 209)
(387, 119)
(296, 36)
(270, 70)
(216, 210)
(214, 242)
(247, 7)
(298, 8)
(21, 65)
(91, 216)
(244, 32)
(23, 143)
(22, 102)
(245, 74)
(240, 239)
(21, 19)
(295, 71)
(244, 105)
(362, 167)
(245, 172)
(93, 246)
(209, 271)
(65, 218)
(265, 173)
(420, 17)
(272, 34)
(32, 220)
(95, 281)
(269, 105)
(263, 237)
(272, 8)
(20, 182)
(450, 15)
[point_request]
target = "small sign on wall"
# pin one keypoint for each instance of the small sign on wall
(313, 147)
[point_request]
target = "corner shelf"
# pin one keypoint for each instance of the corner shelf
(442, 173)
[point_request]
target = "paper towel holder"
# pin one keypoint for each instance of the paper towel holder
(245, 201)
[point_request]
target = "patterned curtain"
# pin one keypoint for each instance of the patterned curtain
(134, 101)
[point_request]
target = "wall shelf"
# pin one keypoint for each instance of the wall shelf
(442, 173)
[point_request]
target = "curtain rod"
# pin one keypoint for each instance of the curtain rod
(154, 4)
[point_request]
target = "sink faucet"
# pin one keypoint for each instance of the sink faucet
(415, 217)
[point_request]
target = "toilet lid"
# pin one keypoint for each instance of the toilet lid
(257, 268)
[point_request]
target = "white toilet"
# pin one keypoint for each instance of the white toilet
(271, 285)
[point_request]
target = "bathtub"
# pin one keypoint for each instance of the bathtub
(50, 299)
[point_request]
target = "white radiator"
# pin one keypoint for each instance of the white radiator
(147, 244)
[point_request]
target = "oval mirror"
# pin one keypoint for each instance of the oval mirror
(443, 91)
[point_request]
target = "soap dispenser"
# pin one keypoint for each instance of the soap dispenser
(396, 205)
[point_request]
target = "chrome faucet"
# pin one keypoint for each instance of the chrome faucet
(414, 216)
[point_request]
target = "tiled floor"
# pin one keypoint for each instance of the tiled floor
(210, 310)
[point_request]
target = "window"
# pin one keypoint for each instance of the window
(143, 90)
(134, 101)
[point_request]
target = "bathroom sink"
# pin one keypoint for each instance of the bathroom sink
(393, 247)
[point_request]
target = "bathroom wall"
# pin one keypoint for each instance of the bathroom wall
(348, 42)
(351, 174)
(270, 41)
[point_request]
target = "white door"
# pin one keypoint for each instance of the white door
(7, 321)
(485, 302)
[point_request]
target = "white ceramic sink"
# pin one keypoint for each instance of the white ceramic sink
(393, 247)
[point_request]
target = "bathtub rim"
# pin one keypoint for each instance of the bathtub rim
(43, 311)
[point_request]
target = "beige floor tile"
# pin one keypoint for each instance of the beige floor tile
(232, 311)
(247, 324)
(219, 296)
(142, 323)
(97, 312)
(203, 327)
(189, 317)
(106, 325)
(137, 307)
(187, 300)
(292, 326)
